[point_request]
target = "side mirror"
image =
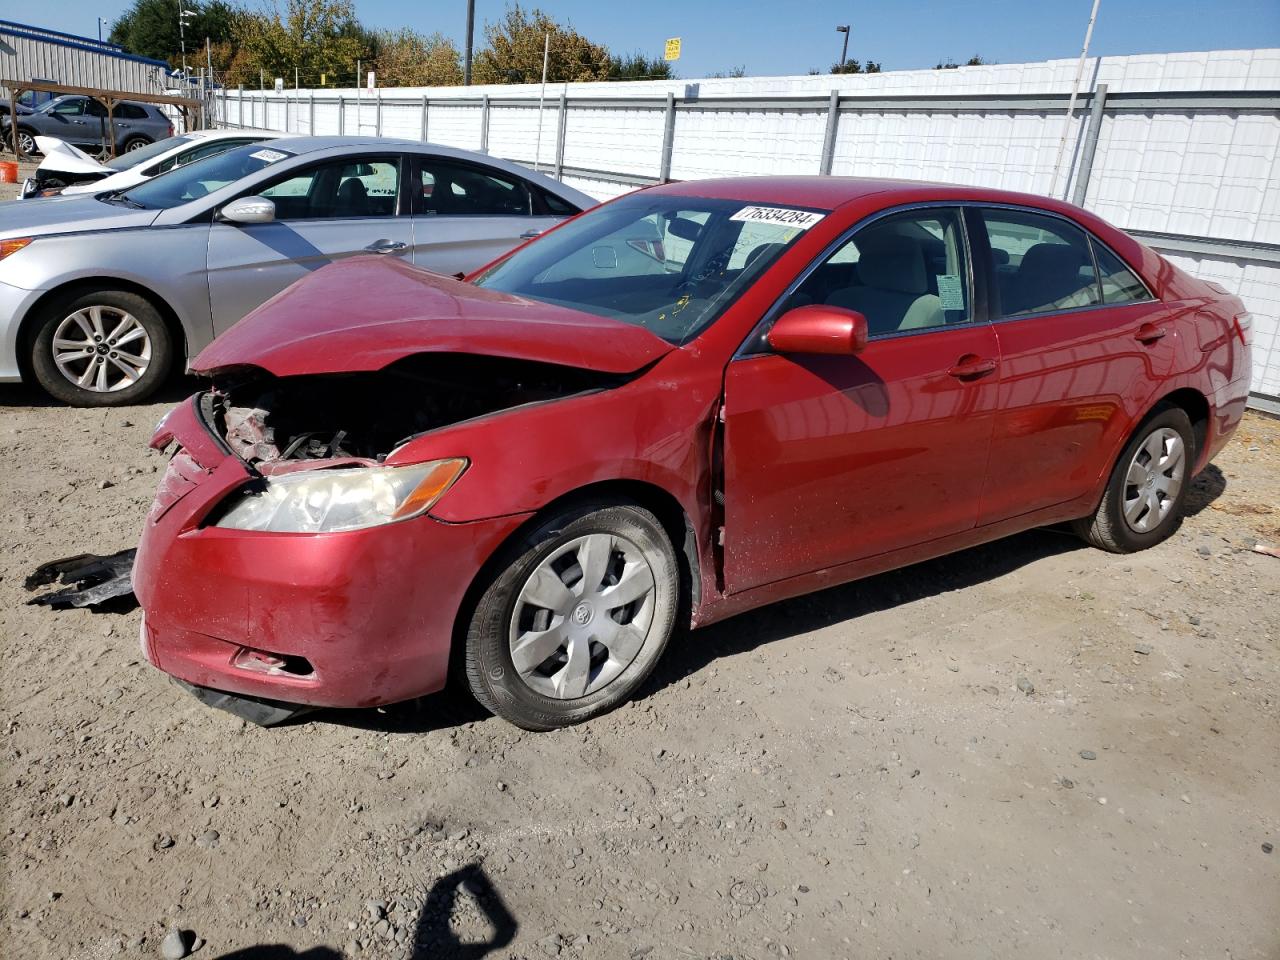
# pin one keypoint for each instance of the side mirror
(249, 210)
(819, 329)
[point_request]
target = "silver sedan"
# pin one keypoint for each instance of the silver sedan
(101, 294)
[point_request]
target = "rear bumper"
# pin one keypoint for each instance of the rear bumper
(1226, 409)
(351, 619)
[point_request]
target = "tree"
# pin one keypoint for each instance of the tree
(732, 73)
(975, 61)
(405, 58)
(637, 66)
(514, 51)
(855, 66)
(313, 37)
(150, 28)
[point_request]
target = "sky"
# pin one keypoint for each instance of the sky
(769, 37)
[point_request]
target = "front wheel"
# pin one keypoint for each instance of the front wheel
(27, 143)
(102, 349)
(575, 618)
(1145, 496)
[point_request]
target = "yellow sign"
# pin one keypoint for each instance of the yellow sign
(673, 49)
(323, 79)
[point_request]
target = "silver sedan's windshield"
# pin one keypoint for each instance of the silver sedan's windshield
(669, 264)
(192, 181)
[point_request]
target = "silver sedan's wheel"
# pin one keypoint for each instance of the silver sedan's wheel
(102, 349)
(582, 616)
(1154, 480)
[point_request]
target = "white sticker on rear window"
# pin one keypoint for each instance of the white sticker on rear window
(268, 156)
(950, 291)
(781, 216)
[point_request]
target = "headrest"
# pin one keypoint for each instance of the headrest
(1052, 260)
(892, 262)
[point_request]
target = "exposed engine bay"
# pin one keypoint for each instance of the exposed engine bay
(367, 415)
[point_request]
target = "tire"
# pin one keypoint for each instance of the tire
(546, 666)
(27, 142)
(135, 143)
(1142, 507)
(69, 372)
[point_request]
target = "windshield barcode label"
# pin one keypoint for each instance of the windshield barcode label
(781, 216)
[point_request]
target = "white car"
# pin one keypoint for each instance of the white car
(66, 169)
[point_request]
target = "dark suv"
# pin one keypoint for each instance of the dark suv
(82, 122)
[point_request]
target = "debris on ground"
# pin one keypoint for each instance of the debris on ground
(92, 579)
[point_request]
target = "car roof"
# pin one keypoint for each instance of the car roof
(828, 193)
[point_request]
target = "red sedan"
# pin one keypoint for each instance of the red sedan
(686, 403)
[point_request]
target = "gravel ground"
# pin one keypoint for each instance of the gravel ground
(10, 191)
(1029, 749)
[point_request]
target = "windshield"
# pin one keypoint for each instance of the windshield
(669, 264)
(142, 154)
(192, 181)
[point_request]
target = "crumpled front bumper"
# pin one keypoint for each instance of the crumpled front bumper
(351, 619)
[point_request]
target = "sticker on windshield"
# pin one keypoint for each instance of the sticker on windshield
(268, 156)
(950, 291)
(781, 216)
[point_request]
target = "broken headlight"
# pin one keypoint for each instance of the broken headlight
(344, 498)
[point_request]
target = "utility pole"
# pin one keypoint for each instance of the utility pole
(844, 51)
(100, 23)
(182, 34)
(1071, 104)
(546, 54)
(471, 29)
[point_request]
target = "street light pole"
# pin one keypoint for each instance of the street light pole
(844, 50)
(182, 34)
(471, 29)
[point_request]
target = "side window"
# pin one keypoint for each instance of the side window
(1119, 283)
(1041, 264)
(342, 189)
(130, 111)
(453, 189)
(69, 108)
(558, 207)
(904, 272)
(93, 108)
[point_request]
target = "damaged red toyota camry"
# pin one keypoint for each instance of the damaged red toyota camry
(686, 403)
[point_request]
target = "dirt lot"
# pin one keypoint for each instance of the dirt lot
(861, 773)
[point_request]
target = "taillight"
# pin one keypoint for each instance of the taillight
(1244, 328)
(171, 128)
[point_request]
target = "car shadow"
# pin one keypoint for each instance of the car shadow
(433, 937)
(176, 388)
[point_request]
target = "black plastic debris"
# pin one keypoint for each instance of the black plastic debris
(90, 579)
(257, 710)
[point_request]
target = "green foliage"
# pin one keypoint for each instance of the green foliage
(311, 36)
(515, 46)
(855, 66)
(150, 28)
(637, 66)
(975, 61)
(406, 58)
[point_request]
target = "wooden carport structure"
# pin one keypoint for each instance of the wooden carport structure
(108, 98)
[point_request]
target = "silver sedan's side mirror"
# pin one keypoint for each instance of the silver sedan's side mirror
(249, 210)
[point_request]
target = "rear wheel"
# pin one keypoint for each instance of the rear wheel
(575, 618)
(1145, 496)
(135, 143)
(102, 349)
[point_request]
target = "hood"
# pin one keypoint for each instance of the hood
(367, 312)
(74, 214)
(62, 157)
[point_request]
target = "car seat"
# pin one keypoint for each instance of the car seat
(894, 290)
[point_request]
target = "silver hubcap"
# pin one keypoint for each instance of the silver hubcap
(1154, 480)
(582, 616)
(101, 348)
(135, 145)
(26, 143)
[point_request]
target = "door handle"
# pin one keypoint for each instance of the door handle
(1150, 333)
(970, 367)
(530, 234)
(386, 246)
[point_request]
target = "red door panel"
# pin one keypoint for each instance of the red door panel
(830, 459)
(1070, 386)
